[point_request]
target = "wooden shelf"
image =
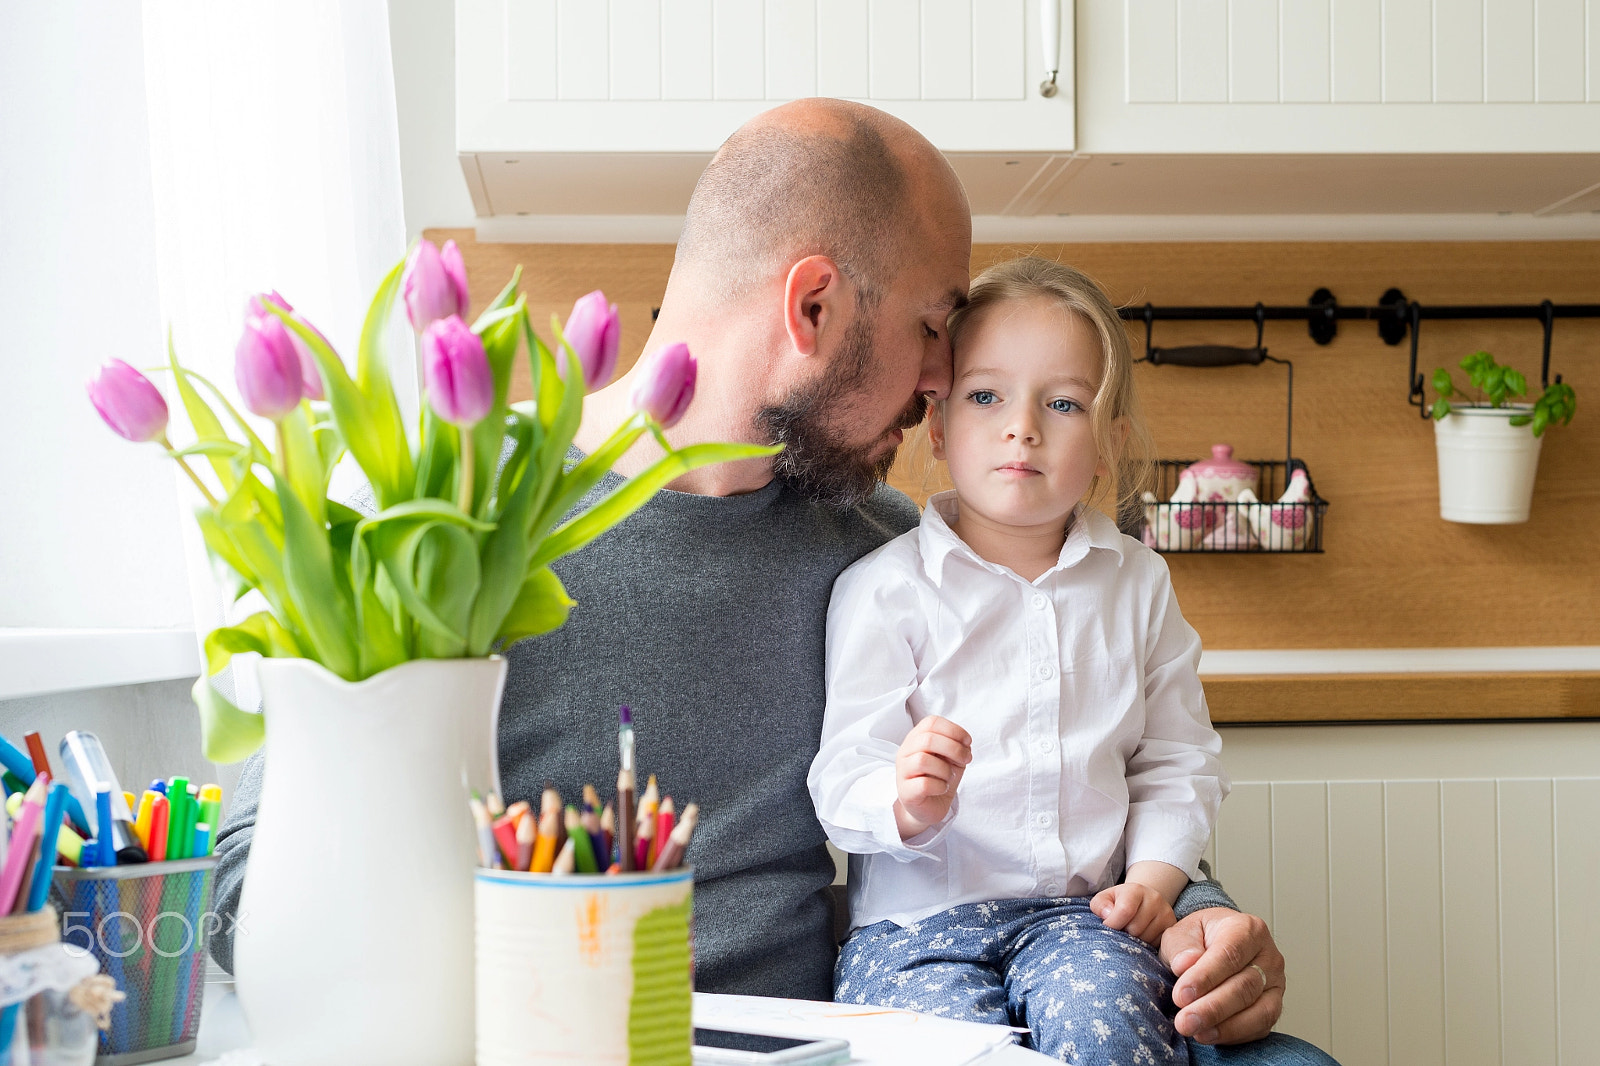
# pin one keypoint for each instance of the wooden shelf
(1287, 698)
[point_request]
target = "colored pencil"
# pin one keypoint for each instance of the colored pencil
(649, 801)
(566, 860)
(55, 810)
(21, 846)
(582, 848)
(505, 835)
(641, 847)
(671, 855)
(666, 819)
(625, 785)
(525, 837)
(495, 807)
(488, 854)
(545, 845)
(608, 825)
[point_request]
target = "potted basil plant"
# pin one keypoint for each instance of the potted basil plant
(1488, 446)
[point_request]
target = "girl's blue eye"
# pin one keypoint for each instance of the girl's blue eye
(1065, 406)
(981, 397)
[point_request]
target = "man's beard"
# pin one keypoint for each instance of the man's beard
(813, 462)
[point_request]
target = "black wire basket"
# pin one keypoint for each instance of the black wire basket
(1209, 526)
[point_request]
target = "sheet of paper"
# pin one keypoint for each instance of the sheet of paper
(876, 1034)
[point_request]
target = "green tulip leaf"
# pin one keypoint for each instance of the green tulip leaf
(228, 734)
(303, 463)
(372, 378)
(505, 551)
(541, 606)
(323, 599)
(500, 337)
(448, 577)
(636, 492)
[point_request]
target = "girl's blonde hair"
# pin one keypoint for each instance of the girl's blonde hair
(1120, 433)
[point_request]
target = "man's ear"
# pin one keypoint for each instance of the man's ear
(816, 299)
(936, 430)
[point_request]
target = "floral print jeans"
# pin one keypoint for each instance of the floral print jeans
(1088, 994)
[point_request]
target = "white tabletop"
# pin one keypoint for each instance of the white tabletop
(224, 1035)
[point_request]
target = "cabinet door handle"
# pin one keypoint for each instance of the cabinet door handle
(1050, 34)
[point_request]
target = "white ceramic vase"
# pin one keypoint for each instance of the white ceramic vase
(1486, 465)
(356, 922)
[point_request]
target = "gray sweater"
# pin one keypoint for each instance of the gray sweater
(706, 615)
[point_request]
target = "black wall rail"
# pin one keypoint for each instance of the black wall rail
(1395, 316)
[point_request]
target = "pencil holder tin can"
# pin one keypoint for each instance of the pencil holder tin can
(146, 925)
(584, 968)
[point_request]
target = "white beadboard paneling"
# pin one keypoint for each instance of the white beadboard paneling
(635, 49)
(1407, 51)
(1594, 51)
(1305, 52)
(530, 45)
(1458, 51)
(1559, 50)
(1415, 937)
(1202, 51)
(946, 49)
(1527, 923)
(1244, 848)
(999, 64)
(1357, 41)
(737, 50)
(1508, 52)
(1151, 43)
(791, 34)
(1471, 922)
(842, 37)
(1253, 51)
(582, 50)
(686, 49)
(1300, 905)
(1358, 976)
(893, 49)
(1577, 812)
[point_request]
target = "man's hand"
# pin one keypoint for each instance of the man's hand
(927, 770)
(1230, 976)
(1139, 909)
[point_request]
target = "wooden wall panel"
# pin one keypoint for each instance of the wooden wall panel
(1394, 573)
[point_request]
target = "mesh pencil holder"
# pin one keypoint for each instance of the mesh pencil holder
(146, 925)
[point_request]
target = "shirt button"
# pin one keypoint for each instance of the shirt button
(1051, 888)
(1046, 673)
(1047, 745)
(1038, 602)
(1042, 821)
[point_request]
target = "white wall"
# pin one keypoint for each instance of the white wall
(422, 39)
(88, 522)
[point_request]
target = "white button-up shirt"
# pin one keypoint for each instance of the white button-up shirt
(1092, 748)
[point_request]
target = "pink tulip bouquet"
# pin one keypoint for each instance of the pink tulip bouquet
(472, 508)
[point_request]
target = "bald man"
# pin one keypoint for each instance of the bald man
(824, 248)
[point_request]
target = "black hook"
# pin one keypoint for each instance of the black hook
(1547, 314)
(1417, 396)
(1149, 329)
(1261, 322)
(1323, 318)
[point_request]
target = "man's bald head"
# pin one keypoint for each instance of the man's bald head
(815, 177)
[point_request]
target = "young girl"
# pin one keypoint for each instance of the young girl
(1017, 752)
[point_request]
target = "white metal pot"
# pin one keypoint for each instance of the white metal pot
(1486, 465)
(356, 921)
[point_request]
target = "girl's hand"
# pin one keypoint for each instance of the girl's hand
(1138, 909)
(927, 770)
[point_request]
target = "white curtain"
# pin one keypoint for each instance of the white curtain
(275, 163)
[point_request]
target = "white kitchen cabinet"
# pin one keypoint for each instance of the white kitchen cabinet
(547, 90)
(1333, 77)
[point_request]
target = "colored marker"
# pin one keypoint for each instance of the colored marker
(55, 809)
(180, 823)
(36, 752)
(141, 824)
(671, 855)
(158, 785)
(86, 770)
(160, 817)
(202, 839)
(102, 813)
(625, 785)
(582, 849)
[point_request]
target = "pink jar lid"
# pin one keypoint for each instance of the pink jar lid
(1222, 464)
